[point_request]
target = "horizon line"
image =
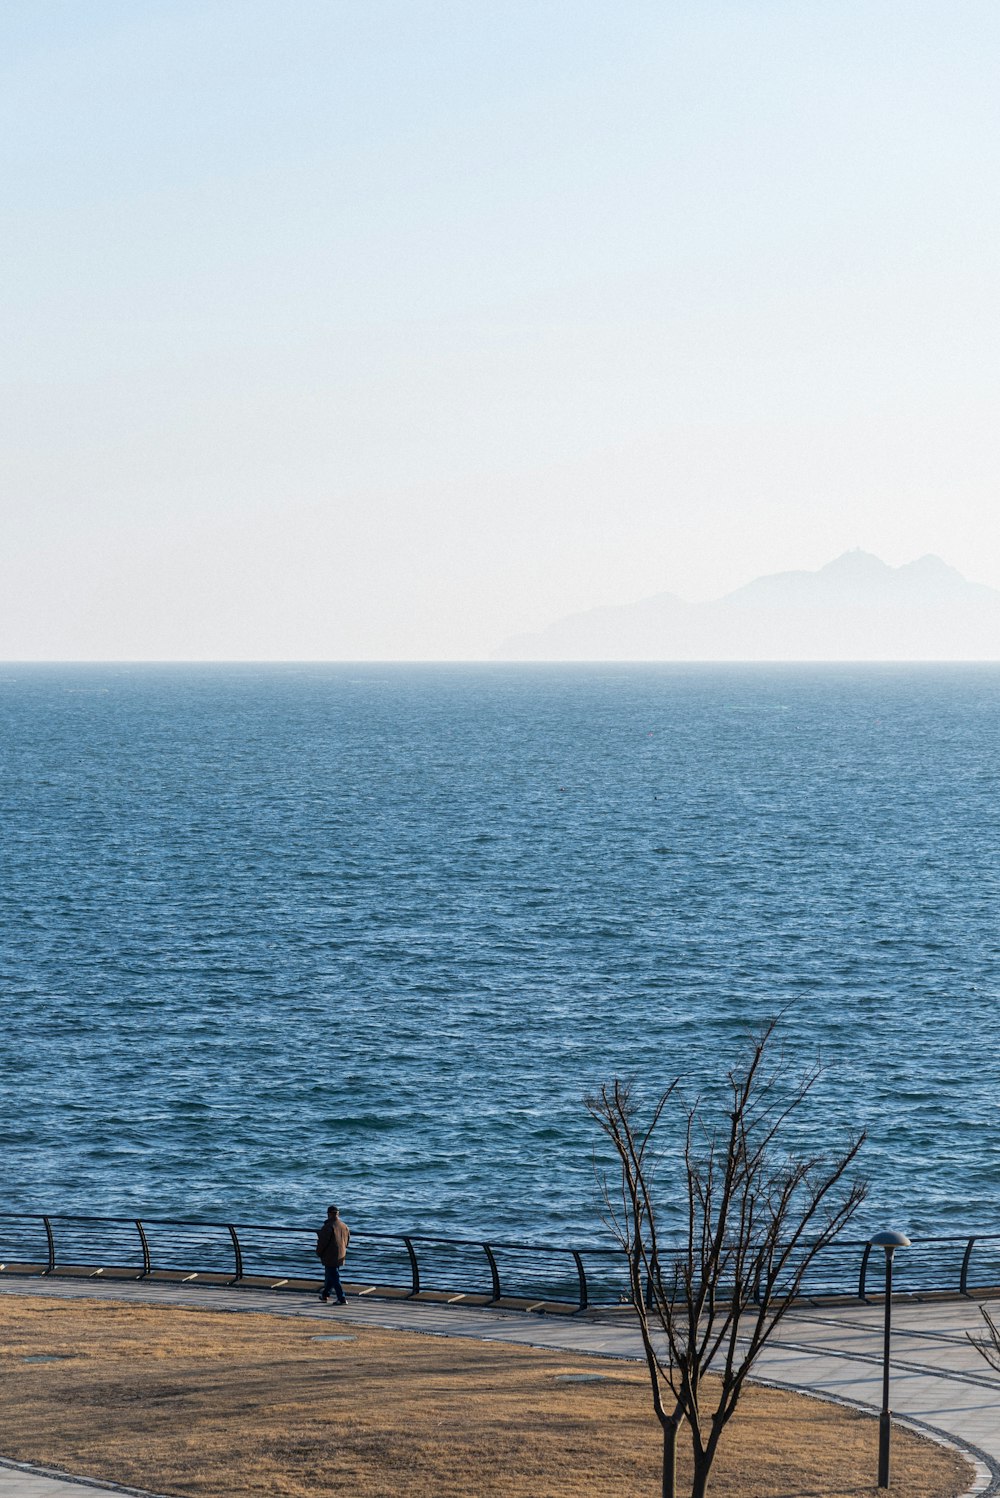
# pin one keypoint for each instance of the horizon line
(502, 662)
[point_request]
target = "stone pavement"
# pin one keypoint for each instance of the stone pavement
(939, 1383)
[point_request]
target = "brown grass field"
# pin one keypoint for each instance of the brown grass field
(222, 1405)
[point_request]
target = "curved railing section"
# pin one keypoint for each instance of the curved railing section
(412, 1264)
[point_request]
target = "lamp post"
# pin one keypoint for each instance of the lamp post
(890, 1242)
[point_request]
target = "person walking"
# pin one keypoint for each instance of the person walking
(331, 1245)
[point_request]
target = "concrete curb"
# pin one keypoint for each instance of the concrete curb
(53, 1475)
(986, 1481)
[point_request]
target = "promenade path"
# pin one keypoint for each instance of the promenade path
(939, 1383)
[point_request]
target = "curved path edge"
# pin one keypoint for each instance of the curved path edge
(986, 1479)
(24, 1480)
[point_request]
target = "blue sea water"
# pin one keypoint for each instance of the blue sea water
(278, 935)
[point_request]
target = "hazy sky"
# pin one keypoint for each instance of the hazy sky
(347, 328)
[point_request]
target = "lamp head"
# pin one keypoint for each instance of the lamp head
(889, 1241)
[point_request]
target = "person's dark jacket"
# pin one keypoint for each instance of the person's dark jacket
(332, 1240)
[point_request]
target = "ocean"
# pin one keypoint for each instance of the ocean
(274, 936)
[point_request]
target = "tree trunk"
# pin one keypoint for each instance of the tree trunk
(702, 1467)
(670, 1459)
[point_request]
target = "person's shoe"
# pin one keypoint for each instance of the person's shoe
(342, 1301)
(324, 1297)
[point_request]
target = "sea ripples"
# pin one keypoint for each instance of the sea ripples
(275, 933)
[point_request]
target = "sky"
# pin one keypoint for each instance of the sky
(354, 329)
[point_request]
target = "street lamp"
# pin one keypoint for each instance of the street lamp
(890, 1242)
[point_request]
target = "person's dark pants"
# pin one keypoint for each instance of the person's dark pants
(331, 1281)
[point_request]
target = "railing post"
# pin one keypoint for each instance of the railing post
(964, 1278)
(414, 1267)
(146, 1264)
(583, 1279)
(237, 1254)
(864, 1272)
(52, 1247)
(494, 1271)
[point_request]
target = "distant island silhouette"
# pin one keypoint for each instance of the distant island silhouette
(856, 608)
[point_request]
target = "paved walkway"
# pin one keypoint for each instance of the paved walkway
(939, 1383)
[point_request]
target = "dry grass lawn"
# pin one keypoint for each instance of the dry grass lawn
(223, 1405)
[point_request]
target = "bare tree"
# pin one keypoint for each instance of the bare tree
(757, 1215)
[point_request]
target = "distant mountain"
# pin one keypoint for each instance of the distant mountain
(855, 608)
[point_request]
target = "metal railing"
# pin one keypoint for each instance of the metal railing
(234, 1253)
(413, 1264)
